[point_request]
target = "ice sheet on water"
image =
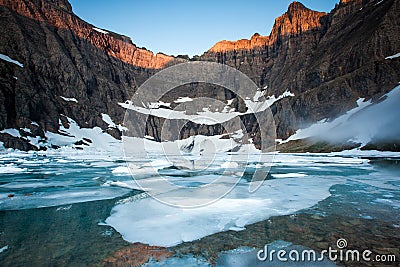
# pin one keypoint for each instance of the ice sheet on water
(367, 153)
(60, 197)
(35, 184)
(316, 160)
(145, 220)
(11, 168)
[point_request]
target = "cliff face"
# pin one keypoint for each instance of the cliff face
(58, 13)
(72, 69)
(296, 20)
(327, 60)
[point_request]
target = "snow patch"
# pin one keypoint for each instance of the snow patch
(158, 104)
(69, 99)
(100, 30)
(62, 197)
(206, 116)
(183, 100)
(393, 56)
(12, 132)
(3, 249)
(8, 59)
(101, 141)
(107, 119)
(256, 106)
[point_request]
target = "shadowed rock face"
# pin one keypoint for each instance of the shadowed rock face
(64, 56)
(327, 60)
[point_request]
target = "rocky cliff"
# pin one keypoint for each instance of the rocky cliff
(69, 68)
(327, 61)
(64, 59)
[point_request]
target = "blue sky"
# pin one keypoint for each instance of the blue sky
(187, 26)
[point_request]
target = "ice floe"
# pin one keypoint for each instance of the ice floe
(146, 220)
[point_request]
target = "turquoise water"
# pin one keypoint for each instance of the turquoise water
(53, 207)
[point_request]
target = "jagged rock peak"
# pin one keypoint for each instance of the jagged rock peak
(296, 20)
(296, 6)
(63, 4)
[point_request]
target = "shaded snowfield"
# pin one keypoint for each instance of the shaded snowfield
(362, 124)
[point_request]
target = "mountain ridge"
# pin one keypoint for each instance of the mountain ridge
(295, 20)
(326, 60)
(58, 13)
